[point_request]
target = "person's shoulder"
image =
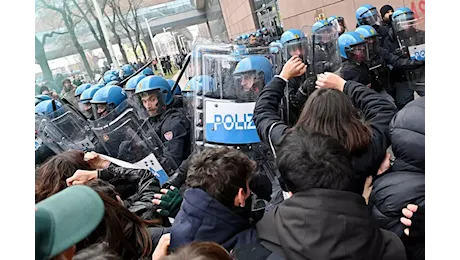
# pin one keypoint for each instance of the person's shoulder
(175, 116)
(175, 112)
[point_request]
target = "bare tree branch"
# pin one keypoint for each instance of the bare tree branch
(49, 35)
(51, 7)
(88, 22)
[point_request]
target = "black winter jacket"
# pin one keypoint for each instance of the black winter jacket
(326, 224)
(405, 182)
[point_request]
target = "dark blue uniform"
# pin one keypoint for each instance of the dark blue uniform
(402, 92)
(378, 79)
(173, 129)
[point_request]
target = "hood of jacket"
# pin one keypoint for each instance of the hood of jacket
(202, 218)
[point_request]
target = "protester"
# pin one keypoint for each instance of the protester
(333, 110)
(217, 205)
(57, 227)
(404, 182)
(322, 219)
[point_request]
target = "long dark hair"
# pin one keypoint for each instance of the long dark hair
(51, 176)
(125, 232)
(331, 112)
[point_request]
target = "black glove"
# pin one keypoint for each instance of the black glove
(324, 66)
(179, 176)
(308, 86)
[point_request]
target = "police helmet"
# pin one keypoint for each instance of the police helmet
(155, 83)
(255, 63)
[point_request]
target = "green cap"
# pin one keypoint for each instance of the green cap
(65, 219)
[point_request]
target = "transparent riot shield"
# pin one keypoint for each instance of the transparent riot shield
(325, 53)
(75, 127)
(194, 68)
(224, 106)
(38, 141)
(125, 139)
(204, 66)
(411, 39)
(53, 137)
(300, 47)
(276, 58)
(228, 101)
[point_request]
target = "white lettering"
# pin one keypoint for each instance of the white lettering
(230, 122)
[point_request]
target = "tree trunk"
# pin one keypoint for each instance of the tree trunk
(134, 48)
(40, 57)
(122, 50)
(138, 36)
(105, 50)
(143, 51)
(103, 44)
(148, 44)
(99, 38)
(81, 52)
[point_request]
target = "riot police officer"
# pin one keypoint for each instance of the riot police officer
(223, 107)
(130, 86)
(148, 72)
(126, 71)
(111, 75)
(380, 59)
(368, 15)
(324, 50)
(44, 108)
(320, 55)
(169, 123)
(80, 90)
(106, 100)
(84, 104)
(406, 40)
(254, 72)
(401, 14)
(40, 98)
(340, 21)
(294, 42)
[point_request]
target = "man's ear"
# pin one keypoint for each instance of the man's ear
(240, 200)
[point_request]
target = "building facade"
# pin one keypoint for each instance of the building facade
(245, 16)
(216, 22)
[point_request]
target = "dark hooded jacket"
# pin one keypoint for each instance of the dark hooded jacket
(405, 182)
(202, 218)
(326, 224)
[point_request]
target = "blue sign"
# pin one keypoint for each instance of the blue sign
(160, 175)
(417, 52)
(230, 123)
